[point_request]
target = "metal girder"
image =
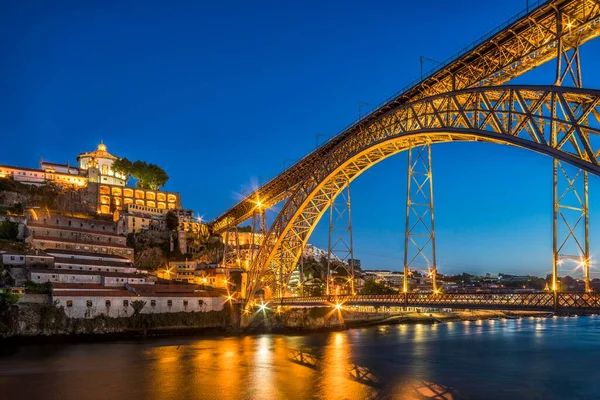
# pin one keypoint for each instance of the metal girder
(570, 241)
(340, 249)
(419, 233)
(231, 249)
(520, 46)
(562, 301)
(556, 121)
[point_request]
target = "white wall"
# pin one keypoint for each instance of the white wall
(80, 309)
(75, 266)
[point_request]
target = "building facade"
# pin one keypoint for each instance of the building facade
(95, 174)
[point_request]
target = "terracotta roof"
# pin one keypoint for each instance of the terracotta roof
(93, 293)
(87, 253)
(99, 263)
(63, 240)
(22, 168)
(87, 286)
(174, 290)
(71, 229)
(91, 273)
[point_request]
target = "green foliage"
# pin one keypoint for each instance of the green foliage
(171, 220)
(148, 176)
(8, 299)
(371, 286)
(38, 288)
(9, 230)
(137, 306)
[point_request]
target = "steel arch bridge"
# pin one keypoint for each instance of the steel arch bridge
(461, 101)
(559, 122)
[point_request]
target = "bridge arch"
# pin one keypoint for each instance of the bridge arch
(560, 122)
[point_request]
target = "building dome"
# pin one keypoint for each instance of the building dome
(101, 146)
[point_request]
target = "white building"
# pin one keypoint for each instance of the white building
(54, 275)
(89, 301)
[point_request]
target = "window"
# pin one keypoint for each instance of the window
(107, 303)
(88, 303)
(185, 303)
(125, 303)
(169, 303)
(69, 303)
(200, 302)
(12, 258)
(153, 303)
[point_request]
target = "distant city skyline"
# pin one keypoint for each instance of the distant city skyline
(218, 100)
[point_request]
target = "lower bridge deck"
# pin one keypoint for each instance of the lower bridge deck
(560, 301)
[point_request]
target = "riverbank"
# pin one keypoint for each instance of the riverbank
(45, 321)
(35, 322)
(309, 320)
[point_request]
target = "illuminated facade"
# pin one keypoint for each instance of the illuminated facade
(94, 173)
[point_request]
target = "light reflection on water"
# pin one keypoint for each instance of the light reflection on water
(522, 358)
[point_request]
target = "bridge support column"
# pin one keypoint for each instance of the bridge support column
(231, 255)
(419, 235)
(340, 249)
(570, 185)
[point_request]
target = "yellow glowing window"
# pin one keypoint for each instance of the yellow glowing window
(104, 209)
(171, 206)
(139, 202)
(150, 196)
(104, 190)
(127, 201)
(104, 199)
(162, 197)
(105, 170)
(139, 194)
(172, 198)
(151, 204)
(116, 191)
(128, 193)
(117, 201)
(161, 206)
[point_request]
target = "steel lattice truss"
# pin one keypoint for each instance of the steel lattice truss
(553, 28)
(419, 234)
(561, 122)
(561, 301)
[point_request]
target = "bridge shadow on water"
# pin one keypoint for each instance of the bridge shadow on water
(413, 389)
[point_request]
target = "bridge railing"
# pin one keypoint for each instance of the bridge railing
(535, 301)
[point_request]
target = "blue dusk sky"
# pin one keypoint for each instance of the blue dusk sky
(223, 94)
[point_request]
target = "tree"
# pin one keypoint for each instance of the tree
(123, 166)
(137, 306)
(9, 230)
(371, 286)
(148, 176)
(171, 220)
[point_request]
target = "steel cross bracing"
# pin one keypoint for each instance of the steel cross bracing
(419, 233)
(231, 250)
(570, 242)
(560, 122)
(519, 47)
(340, 249)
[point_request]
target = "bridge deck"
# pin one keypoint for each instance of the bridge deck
(589, 302)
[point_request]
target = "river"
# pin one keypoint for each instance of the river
(529, 358)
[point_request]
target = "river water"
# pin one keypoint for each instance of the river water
(529, 358)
